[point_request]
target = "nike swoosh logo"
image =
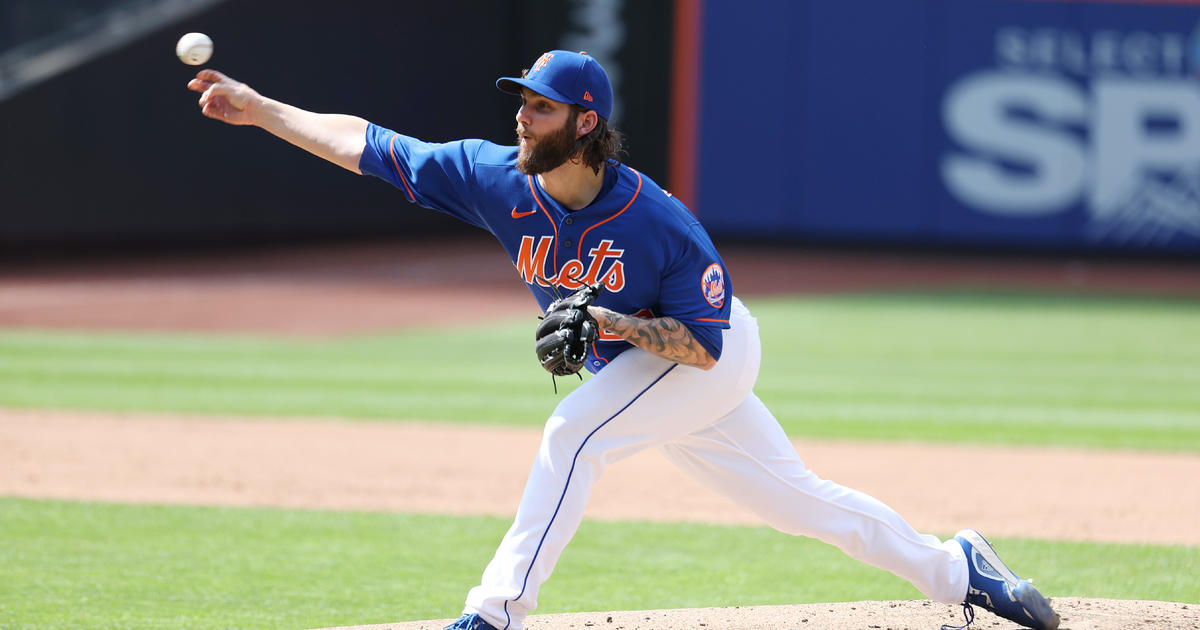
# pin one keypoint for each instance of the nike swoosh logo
(518, 215)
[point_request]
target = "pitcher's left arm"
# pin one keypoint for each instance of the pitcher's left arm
(666, 337)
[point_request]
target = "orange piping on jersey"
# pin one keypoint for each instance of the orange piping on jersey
(392, 151)
(552, 224)
(598, 354)
(707, 319)
(579, 253)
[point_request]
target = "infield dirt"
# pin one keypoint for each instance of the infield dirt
(1076, 613)
(1066, 494)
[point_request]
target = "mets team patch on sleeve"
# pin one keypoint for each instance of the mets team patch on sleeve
(712, 284)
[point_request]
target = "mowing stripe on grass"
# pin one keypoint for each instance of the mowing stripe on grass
(947, 367)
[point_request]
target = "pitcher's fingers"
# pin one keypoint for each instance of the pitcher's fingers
(199, 85)
(214, 109)
(209, 95)
(212, 76)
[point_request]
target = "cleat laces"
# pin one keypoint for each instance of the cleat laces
(968, 614)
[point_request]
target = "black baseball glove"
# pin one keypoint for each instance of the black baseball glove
(565, 333)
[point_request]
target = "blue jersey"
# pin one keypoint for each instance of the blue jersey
(647, 248)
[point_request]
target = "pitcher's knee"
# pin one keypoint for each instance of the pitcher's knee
(582, 444)
(563, 439)
(560, 432)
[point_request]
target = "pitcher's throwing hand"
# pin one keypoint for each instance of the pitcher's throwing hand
(223, 98)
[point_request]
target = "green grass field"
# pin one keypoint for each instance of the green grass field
(79, 565)
(955, 367)
(948, 367)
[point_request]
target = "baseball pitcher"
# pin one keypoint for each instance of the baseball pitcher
(634, 291)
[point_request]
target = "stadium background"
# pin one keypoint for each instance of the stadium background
(1016, 126)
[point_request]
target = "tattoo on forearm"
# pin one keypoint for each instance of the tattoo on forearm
(665, 336)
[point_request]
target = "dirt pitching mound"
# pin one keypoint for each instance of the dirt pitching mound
(1077, 614)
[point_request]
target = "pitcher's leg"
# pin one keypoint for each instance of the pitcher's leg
(573, 454)
(570, 460)
(748, 458)
(639, 400)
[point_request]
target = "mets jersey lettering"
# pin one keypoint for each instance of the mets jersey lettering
(531, 264)
(646, 247)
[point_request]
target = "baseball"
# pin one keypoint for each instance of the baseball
(194, 48)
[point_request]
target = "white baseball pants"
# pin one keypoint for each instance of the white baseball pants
(711, 425)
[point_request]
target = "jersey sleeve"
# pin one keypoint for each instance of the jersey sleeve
(696, 291)
(438, 176)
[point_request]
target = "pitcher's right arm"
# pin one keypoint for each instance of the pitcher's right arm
(338, 138)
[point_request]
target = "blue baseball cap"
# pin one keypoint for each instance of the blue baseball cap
(567, 77)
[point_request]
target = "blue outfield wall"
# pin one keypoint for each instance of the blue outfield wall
(1038, 125)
